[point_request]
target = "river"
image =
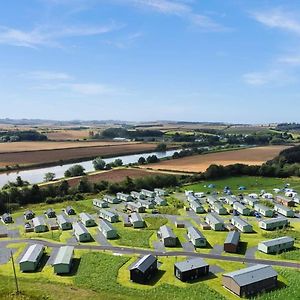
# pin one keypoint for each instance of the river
(37, 175)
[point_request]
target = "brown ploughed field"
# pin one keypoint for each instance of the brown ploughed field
(199, 163)
(55, 155)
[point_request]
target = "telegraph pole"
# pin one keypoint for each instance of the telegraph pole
(14, 269)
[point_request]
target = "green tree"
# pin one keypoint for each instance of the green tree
(49, 176)
(76, 170)
(99, 163)
(118, 162)
(162, 147)
(141, 160)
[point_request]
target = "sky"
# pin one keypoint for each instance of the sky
(235, 61)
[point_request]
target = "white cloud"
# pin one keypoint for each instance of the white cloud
(91, 89)
(280, 19)
(49, 36)
(277, 77)
(46, 75)
(290, 60)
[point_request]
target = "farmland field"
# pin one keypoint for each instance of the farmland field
(69, 153)
(199, 163)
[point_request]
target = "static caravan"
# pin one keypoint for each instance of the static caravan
(276, 245)
(137, 195)
(50, 213)
(219, 208)
(7, 218)
(136, 220)
(39, 224)
(250, 201)
(242, 209)
(87, 219)
(160, 201)
(167, 236)
(111, 199)
(146, 203)
(196, 237)
(285, 201)
(107, 229)
(215, 222)
(148, 193)
(284, 210)
(81, 233)
(31, 258)
(108, 216)
(100, 203)
(250, 281)
(124, 197)
(197, 207)
(70, 211)
(232, 241)
(160, 192)
(144, 269)
(241, 224)
(230, 200)
(135, 207)
(29, 215)
(191, 269)
(264, 210)
(274, 223)
(211, 200)
(64, 223)
(191, 197)
(63, 260)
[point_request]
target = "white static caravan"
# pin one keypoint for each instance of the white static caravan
(284, 210)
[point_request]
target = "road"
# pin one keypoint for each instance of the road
(131, 251)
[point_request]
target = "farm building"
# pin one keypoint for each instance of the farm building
(230, 200)
(31, 258)
(87, 219)
(160, 192)
(135, 207)
(111, 199)
(232, 241)
(81, 233)
(242, 209)
(137, 195)
(250, 200)
(39, 224)
(124, 197)
(29, 214)
(167, 236)
(241, 224)
(100, 203)
(70, 211)
(50, 213)
(197, 207)
(274, 223)
(144, 269)
(136, 220)
(276, 245)
(107, 229)
(63, 260)
(191, 269)
(160, 201)
(284, 210)
(264, 210)
(108, 216)
(251, 280)
(6, 218)
(211, 200)
(285, 201)
(219, 208)
(148, 193)
(146, 203)
(215, 222)
(63, 222)
(196, 237)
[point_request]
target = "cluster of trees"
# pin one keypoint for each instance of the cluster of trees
(76, 170)
(26, 135)
(149, 160)
(100, 164)
(288, 126)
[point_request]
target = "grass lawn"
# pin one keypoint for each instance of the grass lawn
(154, 223)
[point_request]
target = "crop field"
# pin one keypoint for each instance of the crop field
(67, 154)
(199, 163)
(68, 134)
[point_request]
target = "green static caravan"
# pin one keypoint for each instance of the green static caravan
(111, 199)
(107, 229)
(124, 197)
(274, 223)
(196, 237)
(160, 201)
(81, 233)
(87, 219)
(219, 208)
(148, 193)
(167, 236)
(30, 260)
(284, 210)
(215, 222)
(160, 192)
(63, 260)
(197, 207)
(276, 245)
(136, 220)
(100, 203)
(250, 200)
(241, 224)
(146, 203)
(242, 209)
(264, 210)
(39, 224)
(64, 222)
(109, 216)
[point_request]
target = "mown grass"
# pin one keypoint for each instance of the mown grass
(154, 223)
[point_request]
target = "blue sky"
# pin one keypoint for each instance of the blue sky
(143, 60)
